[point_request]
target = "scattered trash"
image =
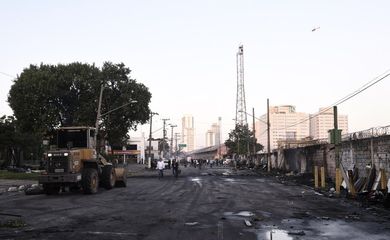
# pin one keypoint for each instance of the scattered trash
(248, 223)
(290, 173)
(332, 190)
(352, 217)
(297, 233)
(191, 223)
(22, 188)
(344, 184)
(325, 218)
(12, 189)
(319, 194)
(34, 189)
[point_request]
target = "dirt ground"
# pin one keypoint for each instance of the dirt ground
(208, 203)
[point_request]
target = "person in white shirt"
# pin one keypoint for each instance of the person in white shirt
(160, 168)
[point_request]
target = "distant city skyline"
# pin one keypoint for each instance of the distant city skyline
(188, 62)
(187, 132)
(288, 124)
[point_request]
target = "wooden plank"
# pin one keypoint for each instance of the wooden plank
(322, 177)
(383, 179)
(348, 181)
(316, 176)
(376, 183)
(351, 188)
(338, 180)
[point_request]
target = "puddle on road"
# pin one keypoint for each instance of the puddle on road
(197, 181)
(239, 215)
(231, 180)
(274, 234)
(245, 214)
(227, 173)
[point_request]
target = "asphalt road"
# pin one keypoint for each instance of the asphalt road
(201, 204)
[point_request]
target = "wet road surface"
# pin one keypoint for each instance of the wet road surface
(216, 203)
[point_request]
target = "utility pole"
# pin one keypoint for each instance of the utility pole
(335, 139)
(268, 140)
(219, 137)
(254, 134)
(150, 140)
(98, 117)
(164, 136)
(176, 136)
(171, 149)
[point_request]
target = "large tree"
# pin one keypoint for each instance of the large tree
(47, 96)
(15, 145)
(239, 140)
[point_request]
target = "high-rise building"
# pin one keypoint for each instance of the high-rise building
(322, 121)
(285, 124)
(210, 138)
(214, 134)
(188, 132)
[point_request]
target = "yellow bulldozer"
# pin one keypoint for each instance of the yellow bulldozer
(72, 162)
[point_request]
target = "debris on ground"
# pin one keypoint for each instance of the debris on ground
(34, 189)
(12, 189)
(191, 223)
(296, 233)
(248, 223)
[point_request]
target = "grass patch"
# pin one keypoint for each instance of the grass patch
(18, 223)
(4, 174)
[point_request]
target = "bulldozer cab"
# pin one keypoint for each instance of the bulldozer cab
(74, 138)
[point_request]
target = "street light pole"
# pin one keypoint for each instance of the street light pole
(171, 149)
(254, 134)
(164, 136)
(150, 139)
(268, 140)
(98, 117)
(176, 135)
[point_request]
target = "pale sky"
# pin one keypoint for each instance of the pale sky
(185, 52)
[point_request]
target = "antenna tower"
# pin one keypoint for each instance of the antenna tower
(240, 101)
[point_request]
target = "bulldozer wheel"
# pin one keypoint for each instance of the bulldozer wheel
(51, 189)
(121, 183)
(90, 181)
(108, 177)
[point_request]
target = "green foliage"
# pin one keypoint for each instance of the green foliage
(239, 140)
(13, 223)
(4, 174)
(48, 96)
(14, 143)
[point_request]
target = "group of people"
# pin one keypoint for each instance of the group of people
(198, 163)
(161, 166)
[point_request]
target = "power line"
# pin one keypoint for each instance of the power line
(8, 75)
(347, 97)
(157, 130)
(262, 133)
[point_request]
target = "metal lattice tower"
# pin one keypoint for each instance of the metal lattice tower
(241, 118)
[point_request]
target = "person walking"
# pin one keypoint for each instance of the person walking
(160, 168)
(175, 168)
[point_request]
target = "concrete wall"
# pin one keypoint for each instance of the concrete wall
(358, 153)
